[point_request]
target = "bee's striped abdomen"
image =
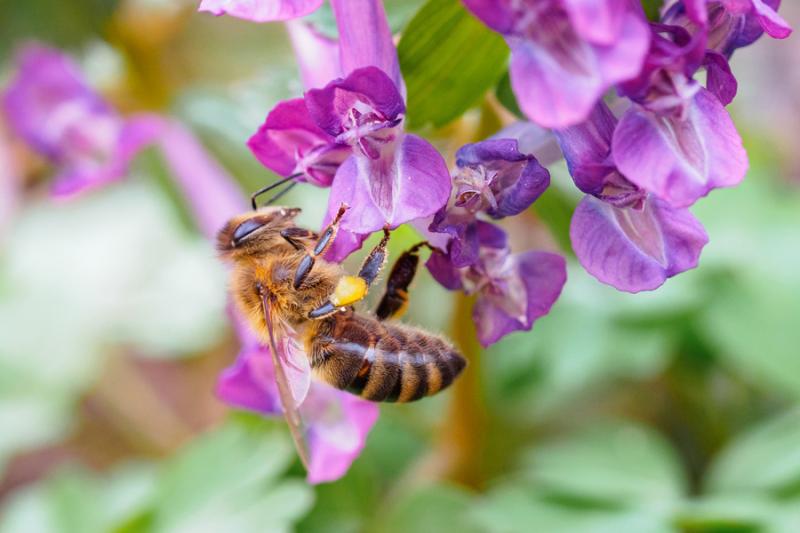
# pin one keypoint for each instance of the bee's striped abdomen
(382, 362)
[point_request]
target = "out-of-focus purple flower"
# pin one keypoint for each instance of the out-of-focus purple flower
(491, 177)
(680, 159)
(729, 24)
(622, 235)
(513, 290)
(50, 106)
(261, 10)
(337, 422)
(566, 53)
(317, 55)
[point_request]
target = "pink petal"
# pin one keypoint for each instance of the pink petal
(680, 160)
(775, 25)
(317, 55)
(365, 38)
(261, 10)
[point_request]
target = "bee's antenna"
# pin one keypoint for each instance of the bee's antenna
(281, 193)
(268, 188)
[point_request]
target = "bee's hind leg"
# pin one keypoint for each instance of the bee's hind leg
(395, 300)
(323, 242)
(351, 289)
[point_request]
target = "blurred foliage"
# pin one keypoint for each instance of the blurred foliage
(449, 60)
(675, 410)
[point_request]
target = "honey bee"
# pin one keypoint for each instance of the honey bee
(283, 286)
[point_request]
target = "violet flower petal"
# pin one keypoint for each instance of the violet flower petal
(635, 249)
(598, 21)
(338, 425)
(772, 23)
(250, 382)
(516, 180)
(289, 142)
(365, 94)
(680, 160)
(720, 80)
(557, 86)
(260, 10)
(365, 38)
(543, 275)
(412, 182)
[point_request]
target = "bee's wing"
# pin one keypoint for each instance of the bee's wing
(290, 407)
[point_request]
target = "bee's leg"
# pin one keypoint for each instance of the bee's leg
(395, 300)
(351, 289)
(323, 242)
(297, 236)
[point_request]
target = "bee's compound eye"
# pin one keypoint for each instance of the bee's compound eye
(246, 228)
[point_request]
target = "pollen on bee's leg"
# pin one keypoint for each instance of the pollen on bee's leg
(349, 290)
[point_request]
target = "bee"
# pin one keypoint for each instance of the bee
(282, 286)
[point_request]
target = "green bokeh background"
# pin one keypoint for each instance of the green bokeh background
(677, 410)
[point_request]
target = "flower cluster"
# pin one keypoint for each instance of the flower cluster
(673, 142)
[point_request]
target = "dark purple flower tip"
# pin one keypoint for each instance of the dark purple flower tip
(362, 110)
(410, 182)
(493, 176)
(289, 142)
(665, 82)
(720, 80)
(261, 10)
(461, 227)
(566, 53)
(729, 24)
(635, 249)
(680, 160)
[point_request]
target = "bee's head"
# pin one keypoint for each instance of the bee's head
(252, 231)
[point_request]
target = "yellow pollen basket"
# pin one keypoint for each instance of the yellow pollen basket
(349, 290)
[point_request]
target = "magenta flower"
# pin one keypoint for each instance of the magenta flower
(338, 422)
(261, 10)
(49, 105)
(565, 54)
(491, 177)
(513, 290)
(622, 235)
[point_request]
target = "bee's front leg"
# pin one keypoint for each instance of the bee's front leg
(323, 242)
(351, 289)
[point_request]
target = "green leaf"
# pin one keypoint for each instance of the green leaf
(612, 463)
(228, 481)
(429, 510)
(732, 513)
(449, 60)
(766, 459)
(517, 509)
(505, 94)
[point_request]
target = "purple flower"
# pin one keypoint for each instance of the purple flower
(565, 54)
(680, 159)
(729, 24)
(513, 290)
(491, 177)
(290, 142)
(50, 106)
(622, 235)
(261, 10)
(337, 422)
(391, 177)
